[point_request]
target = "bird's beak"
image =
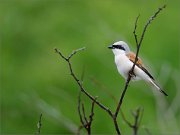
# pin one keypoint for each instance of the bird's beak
(110, 47)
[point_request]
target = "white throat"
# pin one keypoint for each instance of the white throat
(118, 52)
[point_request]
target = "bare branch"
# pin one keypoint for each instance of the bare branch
(82, 90)
(116, 125)
(137, 119)
(85, 123)
(80, 85)
(75, 51)
(79, 109)
(149, 21)
(56, 50)
(92, 113)
(88, 126)
(79, 105)
(69, 57)
(137, 114)
(124, 118)
(131, 72)
(122, 96)
(134, 32)
(142, 35)
(39, 125)
(84, 114)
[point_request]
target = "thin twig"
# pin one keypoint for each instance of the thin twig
(134, 32)
(137, 114)
(149, 21)
(84, 114)
(75, 51)
(85, 123)
(79, 84)
(125, 120)
(79, 109)
(137, 119)
(131, 72)
(39, 125)
(79, 105)
(88, 125)
(143, 33)
(105, 89)
(92, 113)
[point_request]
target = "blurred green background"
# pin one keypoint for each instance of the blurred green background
(35, 80)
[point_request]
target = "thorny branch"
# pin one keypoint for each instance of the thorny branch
(131, 74)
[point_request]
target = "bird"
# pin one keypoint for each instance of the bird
(124, 60)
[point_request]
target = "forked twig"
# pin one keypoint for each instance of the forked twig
(137, 120)
(78, 81)
(84, 121)
(131, 74)
(149, 21)
(137, 114)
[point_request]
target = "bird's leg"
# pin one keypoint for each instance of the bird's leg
(131, 73)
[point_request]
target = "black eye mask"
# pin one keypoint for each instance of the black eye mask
(118, 47)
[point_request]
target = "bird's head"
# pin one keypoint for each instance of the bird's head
(119, 47)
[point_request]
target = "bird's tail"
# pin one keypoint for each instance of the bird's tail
(157, 87)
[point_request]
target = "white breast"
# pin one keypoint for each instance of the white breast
(124, 65)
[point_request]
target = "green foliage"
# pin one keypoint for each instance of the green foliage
(35, 80)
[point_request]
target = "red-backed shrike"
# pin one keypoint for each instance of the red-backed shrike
(124, 60)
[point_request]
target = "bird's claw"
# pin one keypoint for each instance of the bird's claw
(131, 74)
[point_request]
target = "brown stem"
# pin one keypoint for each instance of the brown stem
(130, 75)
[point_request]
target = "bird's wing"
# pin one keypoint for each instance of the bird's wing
(132, 57)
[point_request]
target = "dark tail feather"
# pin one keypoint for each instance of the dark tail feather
(163, 92)
(157, 86)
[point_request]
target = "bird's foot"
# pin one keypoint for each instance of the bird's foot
(131, 74)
